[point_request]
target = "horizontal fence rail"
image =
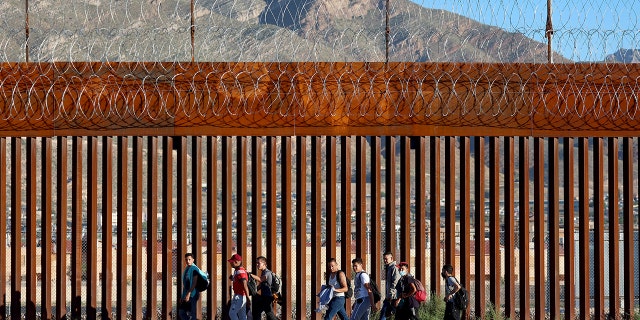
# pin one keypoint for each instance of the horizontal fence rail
(98, 226)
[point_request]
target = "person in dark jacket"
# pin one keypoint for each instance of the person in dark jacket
(392, 277)
(406, 304)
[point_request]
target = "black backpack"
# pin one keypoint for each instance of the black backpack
(349, 293)
(203, 282)
(252, 285)
(461, 298)
(375, 291)
(276, 282)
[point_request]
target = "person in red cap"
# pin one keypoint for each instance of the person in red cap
(239, 301)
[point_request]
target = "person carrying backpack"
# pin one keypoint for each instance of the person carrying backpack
(263, 300)
(190, 296)
(406, 304)
(337, 281)
(365, 302)
(392, 277)
(451, 286)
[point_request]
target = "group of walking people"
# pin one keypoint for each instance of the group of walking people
(399, 296)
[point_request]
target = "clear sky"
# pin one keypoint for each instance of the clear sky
(585, 30)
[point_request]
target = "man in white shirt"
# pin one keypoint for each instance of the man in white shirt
(362, 293)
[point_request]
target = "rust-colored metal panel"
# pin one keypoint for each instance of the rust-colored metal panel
(212, 222)
(92, 228)
(403, 98)
(495, 261)
(523, 228)
(345, 201)
(46, 188)
(553, 192)
(510, 277)
(614, 230)
(121, 212)
(479, 225)
(538, 228)
(196, 207)
(390, 196)
(241, 194)
(361, 206)
(317, 268)
(376, 205)
(405, 200)
(107, 230)
(3, 226)
(584, 254)
(136, 223)
(286, 227)
(421, 264)
(181, 210)
(76, 227)
(256, 196)
(272, 189)
(434, 228)
(331, 219)
(30, 228)
(167, 228)
(61, 227)
(16, 223)
(450, 200)
(598, 215)
(152, 229)
(301, 230)
(227, 231)
(628, 228)
(569, 228)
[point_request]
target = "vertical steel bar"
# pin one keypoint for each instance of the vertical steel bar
(286, 226)
(301, 227)
(241, 196)
(434, 204)
(227, 231)
(3, 227)
(509, 229)
(345, 200)
(167, 227)
(46, 187)
(584, 254)
(92, 227)
(271, 229)
(212, 229)
(107, 229)
(61, 236)
(390, 195)
(479, 224)
(405, 200)
(16, 223)
(316, 222)
(554, 227)
(196, 207)
(598, 205)
(450, 200)
(361, 203)
(76, 226)
(614, 231)
(256, 196)
(628, 227)
(494, 222)
(181, 211)
(121, 211)
(569, 227)
(136, 223)
(30, 236)
(420, 269)
(538, 227)
(523, 228)
(376, 208)
(331, 225)
(152, 228)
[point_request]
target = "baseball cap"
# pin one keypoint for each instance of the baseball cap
(235, 257)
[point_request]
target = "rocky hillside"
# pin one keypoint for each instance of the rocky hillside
(253, 30)
(624, 56)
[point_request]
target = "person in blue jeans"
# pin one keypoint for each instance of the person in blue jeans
(190, 296)
(391, 280)
(337, 280)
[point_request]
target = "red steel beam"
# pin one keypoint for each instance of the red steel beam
(495, 262)
(31, 226)
(614, 230)
(107, 230)
(628, 228)
(345, 201)
(405, 200)
(510, 277)
(286, 227)
(584, 254)
(569, 228)
(553, 210)
(301, 227)
(3, 226)
(316, 222)
(61, 236)
(167, 227)
(376, 208)
(181, 211)
(434, 228)
(361, 206)
(272, 190)
(196, 207)
(479, 224)
(256, 196)
(212, 225)
(241, 196)
(47, 221)
(136, 215)
(92, 227)
(76, 227)
(538, 228)
(152, 229)
(421, 266)
(523, 209)
(598, 244)
(16, 223)
(122, 212)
